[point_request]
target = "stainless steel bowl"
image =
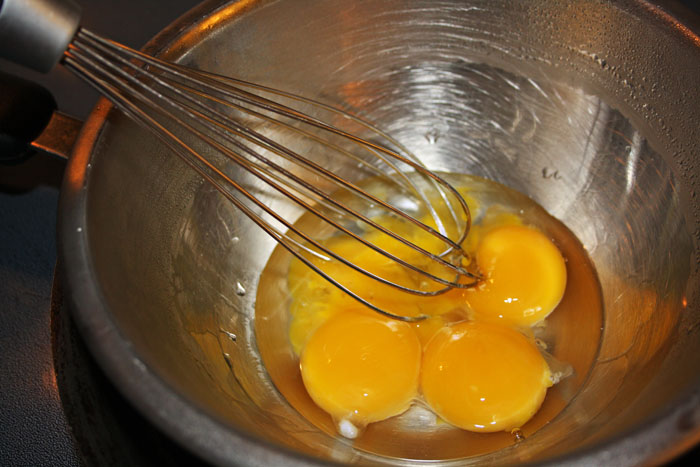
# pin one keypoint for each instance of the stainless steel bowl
(588, 107)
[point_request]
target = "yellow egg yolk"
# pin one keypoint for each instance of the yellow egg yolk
(315, 299)
(525, 276)
(483, 377)
(478, 375)
(361, 367)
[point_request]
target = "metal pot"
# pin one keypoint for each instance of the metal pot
(588, 107)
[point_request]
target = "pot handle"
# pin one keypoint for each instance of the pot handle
(29, 119)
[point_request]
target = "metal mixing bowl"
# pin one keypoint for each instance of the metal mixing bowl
(588, 107)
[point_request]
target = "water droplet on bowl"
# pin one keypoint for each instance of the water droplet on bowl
(230, 335)
(240, 290)
(227, 359)
(432, 136)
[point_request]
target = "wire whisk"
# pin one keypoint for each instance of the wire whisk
(223, 127)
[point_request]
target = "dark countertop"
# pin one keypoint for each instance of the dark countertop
(33, 428)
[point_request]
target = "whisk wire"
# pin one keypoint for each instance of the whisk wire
(364, 124)
(213, 83)
(182, 150)
(222, 122)
(110, 67)
(280, 109)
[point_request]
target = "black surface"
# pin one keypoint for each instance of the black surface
(25, 110)
(33, 430)
(33, 427)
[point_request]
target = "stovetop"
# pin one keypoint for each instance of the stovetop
(63, 414)
(56, 406)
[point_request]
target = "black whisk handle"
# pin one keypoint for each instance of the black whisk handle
(35, 33)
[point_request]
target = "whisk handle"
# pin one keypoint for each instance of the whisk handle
(35, 33)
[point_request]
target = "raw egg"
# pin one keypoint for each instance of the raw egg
(472, 363)
(524, 276)
(477, 372)
(361, 368)
(483, 377)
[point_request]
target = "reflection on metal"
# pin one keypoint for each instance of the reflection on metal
(59, 136)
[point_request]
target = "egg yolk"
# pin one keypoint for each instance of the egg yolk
(483, 377)
(475, 370)
(315, 299)
(361, 368)
(525, 276)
